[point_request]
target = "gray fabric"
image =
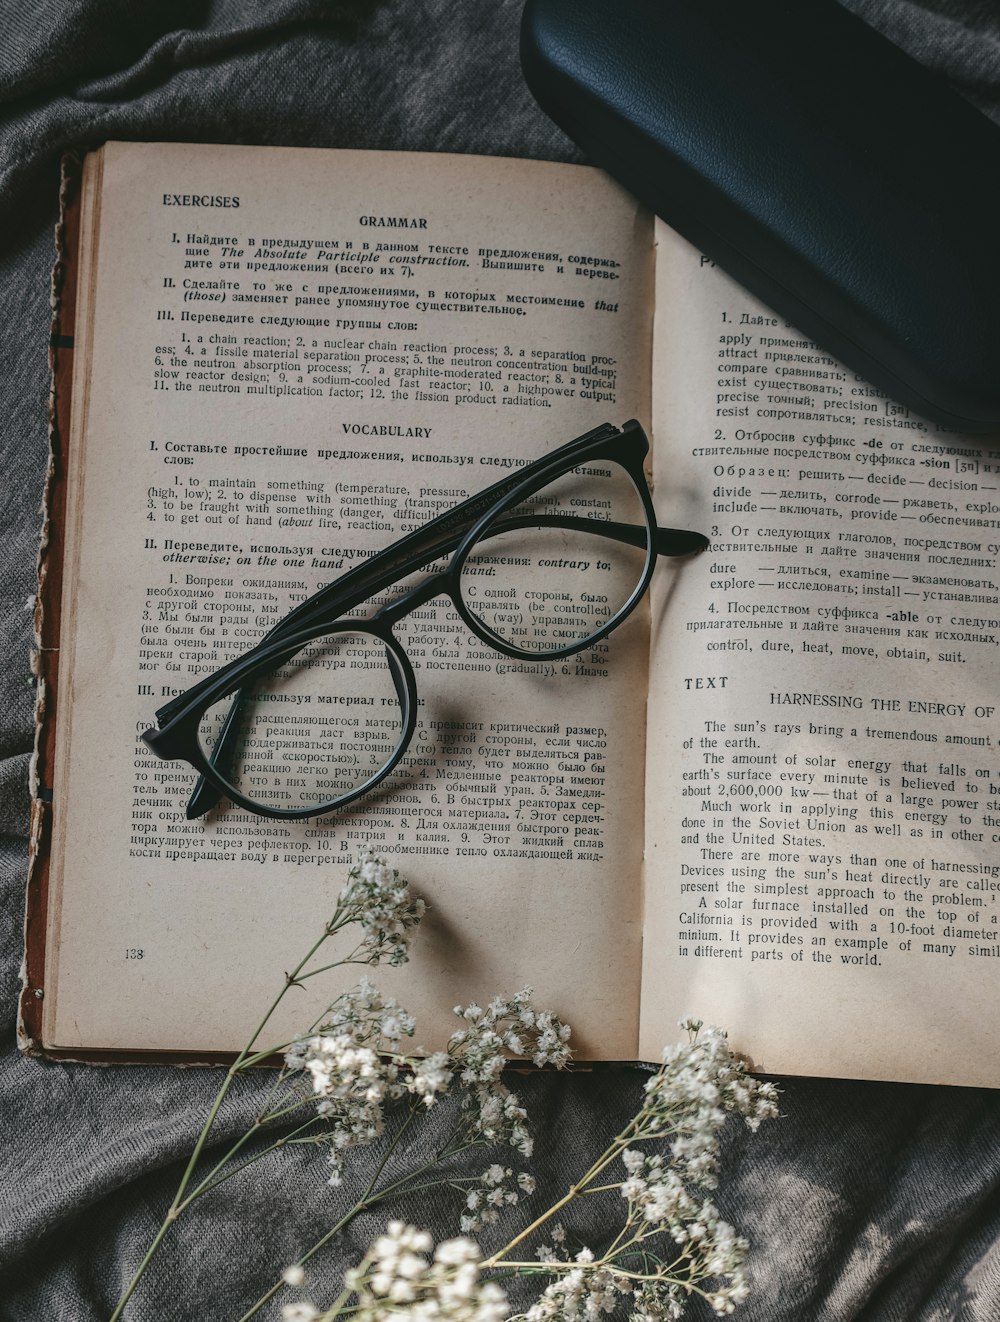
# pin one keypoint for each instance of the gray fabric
(868, 1201)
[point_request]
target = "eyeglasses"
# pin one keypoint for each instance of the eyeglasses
(541, 565)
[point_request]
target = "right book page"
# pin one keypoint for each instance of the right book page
(823, 793)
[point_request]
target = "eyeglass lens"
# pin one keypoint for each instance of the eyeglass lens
(315, 730)
(543, 586)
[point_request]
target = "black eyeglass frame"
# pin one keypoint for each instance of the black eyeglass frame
(456, 532)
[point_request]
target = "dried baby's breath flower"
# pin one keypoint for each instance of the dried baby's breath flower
(300, 1312)
(581, 1294)
(351, 1069)
(375, 897)
(431, 1077)
(674, 1244)
(343, 1074)
(498, 1188)
(397, 1276)
(480, 1049)
(698, 1084)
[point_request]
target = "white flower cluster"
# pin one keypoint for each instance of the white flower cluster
(658, 1199)
(509, 1026)
(656, 1193)
(591, 1287)
(375, 897)
(431, 1077)
(481, 1048)
(367, 1016)
(554, 1252)
(581, 1294)
(396, 1276)
(654, 1301)
(498, 1187)
(354, 1067)
(699, 1082)
(301, 1312)
(350, 1068)
(685, 1105)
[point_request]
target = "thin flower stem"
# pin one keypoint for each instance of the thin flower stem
(282, 1075)
(150, 1252)
(335, 1308)
(209, 1183)
(617, 1244)
(555, 1268)
(178, 1199)
(265, 1054)
(665, 1273)
(549, 1268)
(290, 981)
(449, 1181)
(368, 1199)
(580, 1187)
(403, 1187)
(345, 1220)
(529, 1230)
(447, 1152)
(337, 963)
(687, 1284)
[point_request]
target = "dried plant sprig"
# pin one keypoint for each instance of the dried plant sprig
(397, 1277)
(353, 1068)
(673, 1243)
(341, 1077)
(381, 905)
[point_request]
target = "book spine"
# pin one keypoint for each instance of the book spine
(48, 604)
(45, 656)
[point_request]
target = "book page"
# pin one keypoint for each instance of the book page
(823, 795)
(286, 360)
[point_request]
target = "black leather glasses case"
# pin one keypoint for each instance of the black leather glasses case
(825, 170)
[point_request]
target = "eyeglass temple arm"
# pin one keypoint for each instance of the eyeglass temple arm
(666, 542)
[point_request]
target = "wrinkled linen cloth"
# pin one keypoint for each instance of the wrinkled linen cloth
(866, 1201)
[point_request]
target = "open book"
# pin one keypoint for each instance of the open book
(766, 800)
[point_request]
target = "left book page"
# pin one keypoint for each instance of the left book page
(284, 360)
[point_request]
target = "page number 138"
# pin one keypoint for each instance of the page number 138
(133, 952)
